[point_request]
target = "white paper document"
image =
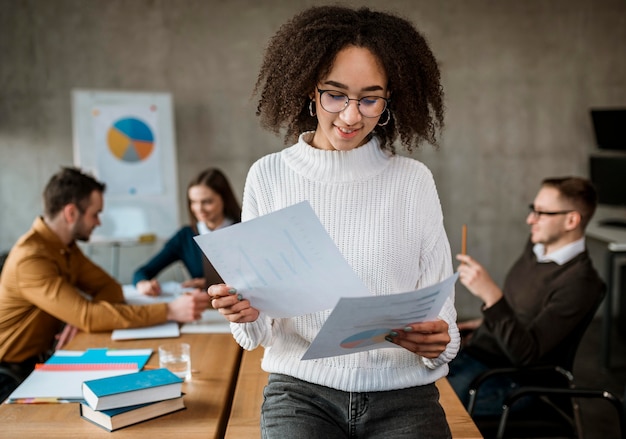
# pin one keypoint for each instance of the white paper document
(361, 324)
(211, 322)
(285, 262)
(164, 330)
(170, 290)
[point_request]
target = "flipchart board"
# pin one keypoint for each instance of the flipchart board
(126, 140)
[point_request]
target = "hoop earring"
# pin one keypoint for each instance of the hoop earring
(312, 108)
(388, 118)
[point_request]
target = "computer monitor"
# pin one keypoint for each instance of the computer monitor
(609, 126)
(608, 175)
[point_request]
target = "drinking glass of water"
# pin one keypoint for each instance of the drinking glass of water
(175, 357)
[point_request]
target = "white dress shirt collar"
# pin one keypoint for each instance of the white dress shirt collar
(562, 255)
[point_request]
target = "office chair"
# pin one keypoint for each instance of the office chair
(550, 409)
(513, 397)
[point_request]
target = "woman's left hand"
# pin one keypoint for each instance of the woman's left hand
(428, 339)
(231, 305)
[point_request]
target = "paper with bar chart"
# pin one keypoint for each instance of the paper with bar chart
(285, 262)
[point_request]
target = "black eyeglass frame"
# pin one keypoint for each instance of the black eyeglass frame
(348, 99)
(538, 213)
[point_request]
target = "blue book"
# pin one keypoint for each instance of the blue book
(131, 389)
(115, 419)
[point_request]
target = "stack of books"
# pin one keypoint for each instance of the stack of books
(123, 400)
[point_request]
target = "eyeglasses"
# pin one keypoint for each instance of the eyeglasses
(335, 102)
(538, 213)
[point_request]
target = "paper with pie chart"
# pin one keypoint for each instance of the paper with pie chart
(128, 150)
(359, 324)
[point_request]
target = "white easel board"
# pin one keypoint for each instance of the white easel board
(126, 140)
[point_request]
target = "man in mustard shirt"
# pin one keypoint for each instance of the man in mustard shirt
(47, 282)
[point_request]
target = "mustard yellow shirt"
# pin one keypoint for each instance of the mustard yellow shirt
(40, 289)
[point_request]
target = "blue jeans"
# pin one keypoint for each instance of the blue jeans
(293, 408)
(463, 369)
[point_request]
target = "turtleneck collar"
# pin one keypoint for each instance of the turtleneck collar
(336, 166)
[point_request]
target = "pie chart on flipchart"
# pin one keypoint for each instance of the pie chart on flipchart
(130, 140)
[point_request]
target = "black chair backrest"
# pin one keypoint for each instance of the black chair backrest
(565, 353)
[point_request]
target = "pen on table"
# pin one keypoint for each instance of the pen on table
(464, 239)
(150, 367)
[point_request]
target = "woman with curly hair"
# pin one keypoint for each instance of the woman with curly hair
(344, 84)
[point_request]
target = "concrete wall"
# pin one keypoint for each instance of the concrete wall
(519, 76)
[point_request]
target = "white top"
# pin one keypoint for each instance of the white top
(203, 229)
(384, 214)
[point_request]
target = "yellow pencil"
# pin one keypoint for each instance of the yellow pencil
(464, 239)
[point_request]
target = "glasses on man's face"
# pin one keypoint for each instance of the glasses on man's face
(335, 102)
(537, 213)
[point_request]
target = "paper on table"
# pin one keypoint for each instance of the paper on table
(169, 291)
(284, 262)
(361, 324)
(211, 322)
(164, 330)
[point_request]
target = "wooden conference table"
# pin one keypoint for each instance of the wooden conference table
(215, 361)
(219, 372)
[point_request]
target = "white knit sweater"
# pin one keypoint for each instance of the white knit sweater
(384, 214)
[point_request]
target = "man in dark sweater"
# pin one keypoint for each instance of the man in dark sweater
(547, 293)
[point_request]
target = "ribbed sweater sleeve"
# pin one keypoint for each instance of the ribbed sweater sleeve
(383, 213)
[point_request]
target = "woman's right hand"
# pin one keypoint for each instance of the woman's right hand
(149, 287)
(232, 305)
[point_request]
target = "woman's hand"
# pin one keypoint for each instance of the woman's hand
(428, 339)
(231, 305)
(149, 287)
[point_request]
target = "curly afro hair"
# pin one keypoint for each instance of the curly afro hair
(301, 53)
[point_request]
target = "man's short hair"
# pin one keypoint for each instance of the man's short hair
(578, 191)
(69, 186)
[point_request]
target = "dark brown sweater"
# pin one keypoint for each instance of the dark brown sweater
(542, 314)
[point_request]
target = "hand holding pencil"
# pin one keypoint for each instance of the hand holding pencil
(474, 276)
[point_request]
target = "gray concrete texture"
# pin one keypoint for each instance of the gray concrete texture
(519, 77)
